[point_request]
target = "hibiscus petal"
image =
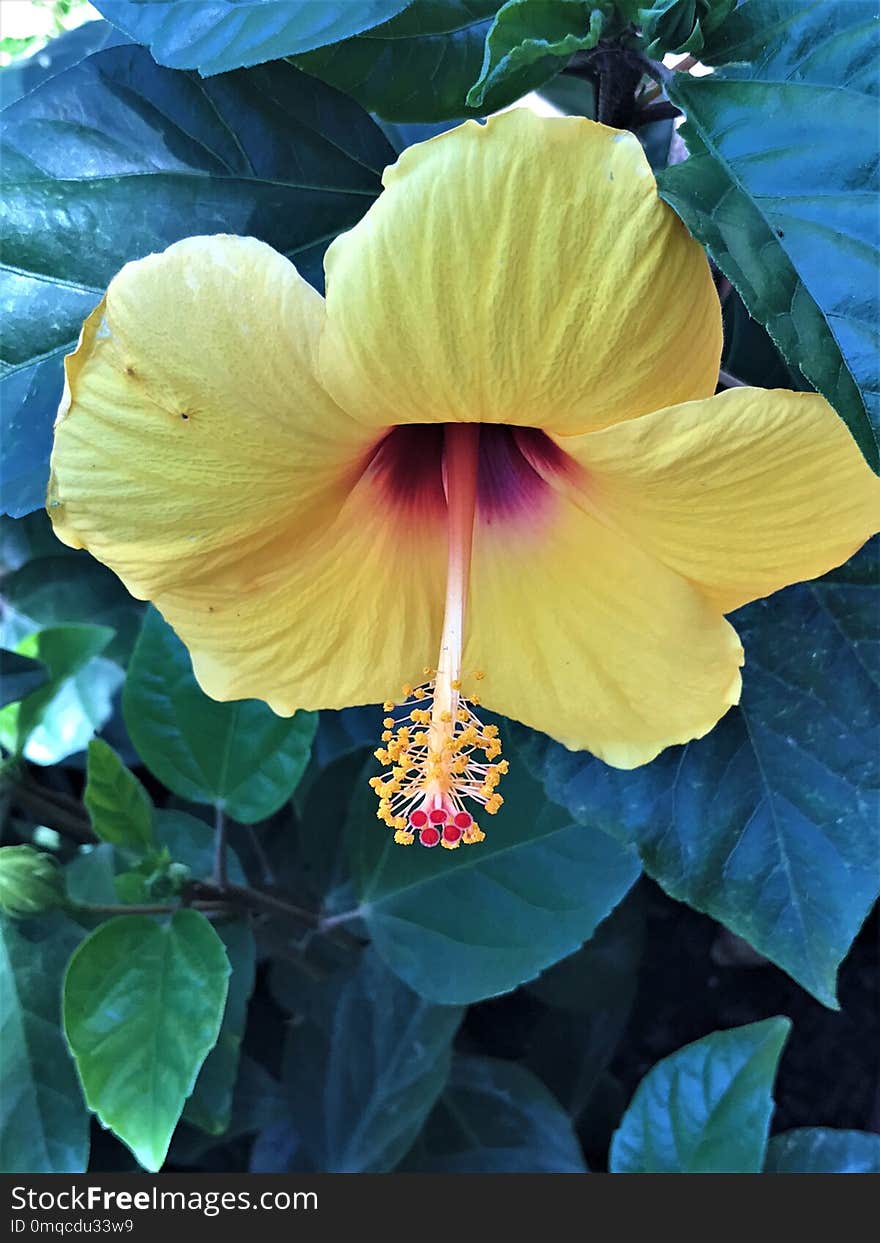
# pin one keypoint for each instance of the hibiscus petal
(525, 272)
(197, 454)
(583, 635)
(743, 493)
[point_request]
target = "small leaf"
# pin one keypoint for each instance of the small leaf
(781, 187)
(528, 31)
(58, 719)
(44, 1126)
(119, 807)
(239, 753)
(210, 1106)
(143, 1003)
(820, 1150)
(706, 1108)
(495, 1118)
(214, 36)
(19, 675)
(364, 1068)
(460, 926)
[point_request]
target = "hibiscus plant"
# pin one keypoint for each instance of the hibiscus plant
(443, 423)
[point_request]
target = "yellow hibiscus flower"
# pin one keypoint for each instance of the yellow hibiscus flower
(495, 437)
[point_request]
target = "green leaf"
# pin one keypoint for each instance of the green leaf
(191, 842)
(58, 719)
(119, 807)
(44, 1126)
(820, 1150)
(781, 187)
(420, 65)
(524, 32)
(143, 1002)
(67, 49)
(461, 925)
(771, 823)
(706, 1108)
(214, 36)
(74, 588)
(89, 877)
(265, 152)
(680, 26)
(240, 754)
(495, 1118)
(19, 675)
(210, 1106)
(364, 1069)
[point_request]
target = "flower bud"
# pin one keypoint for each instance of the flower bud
(30, 882)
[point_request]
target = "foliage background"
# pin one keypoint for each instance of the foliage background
(610, 982)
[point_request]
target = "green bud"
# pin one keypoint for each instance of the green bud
(30, 882)
(680, 26)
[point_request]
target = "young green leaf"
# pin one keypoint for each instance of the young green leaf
(19, 675)
(58, 718)
(364, 1068)
(706, 1108)
(143, 1003)
(781, 187)
(240, 753)
(495, 1118)
(489, 917)
(214, 36)
(119, 807)
(821, 1150)
(530, 32)
(44, 1126)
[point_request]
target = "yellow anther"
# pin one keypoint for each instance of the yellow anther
(382, 755)
(403, 838)
(420, 738)
(388, 706)
(473, 835)
(455, 684)
(407, 689)
(387, 735)
(503, 767)
(445, 717)
(450, 845)
(428, 672)
(490, 731)
(479, 675)
(389, 722)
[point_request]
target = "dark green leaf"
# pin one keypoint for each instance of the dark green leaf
(770, 823)
(495, 1118)
(19, 675)
(421, 64)
(75, 588)
(820, 1150)
(191, 842)
(68, 49)
(89, 876)
(214, 36)
(119, 807)
(781, 187)
(266, 152)
(466, 924)
(749, 353)
(44, 1126)
(365, 1067)
(240, 754)
(210, 1106)
(59, 718)
(527, 33)
(706, 1108)
(143, 1003)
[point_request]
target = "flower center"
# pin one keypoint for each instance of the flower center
(440, 755)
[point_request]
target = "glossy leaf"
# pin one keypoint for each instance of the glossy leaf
(781, 187)
(420, 65)
(706, 1108)
(60, 53)
(495, 1118)
(210, 1106)
(266, 152)
(59, 717)
(143, 1002)
(364, 1068)
(770, 823)
(821, 1150)
(44, 1125)
(240, 754)
(19, 676)
(119, 807)
(530, 32)
(461, 925)
(215, 36)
